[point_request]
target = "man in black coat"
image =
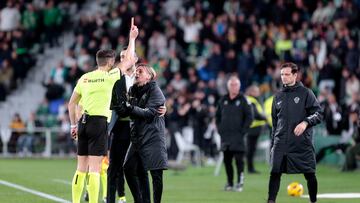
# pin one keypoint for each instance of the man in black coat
(233, 118)
(147, 151)
(295, 110)
(119, 129)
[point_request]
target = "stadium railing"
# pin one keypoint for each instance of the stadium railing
(42, 148)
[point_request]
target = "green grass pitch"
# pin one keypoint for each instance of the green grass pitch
(194, 185)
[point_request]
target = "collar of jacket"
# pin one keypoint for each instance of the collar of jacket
(238, 96)
(138, 91)
(292, 88)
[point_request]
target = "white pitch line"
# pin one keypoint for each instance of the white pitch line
(336, 196)
(41, 194)
(62, 181)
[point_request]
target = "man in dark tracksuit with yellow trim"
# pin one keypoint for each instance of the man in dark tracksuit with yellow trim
(256, 126)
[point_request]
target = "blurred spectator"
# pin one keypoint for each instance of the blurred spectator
(178, 83)
(113, 25)
(17, 126)
(191, 28)
(25, 143)
(335, 116)
(352, 87)
(30, 21)
(157, 46)
(52, 19)
(53, 91)
(9, 17)
(221, 83)
(246, 66)
(69, 58)
(6, 76)
(352, 57)
(83, 58)
(323, 14)
(353, 153)
(59, 73)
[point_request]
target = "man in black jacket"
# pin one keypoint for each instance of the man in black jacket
(295, 110)
(119, 129)
(233, 118)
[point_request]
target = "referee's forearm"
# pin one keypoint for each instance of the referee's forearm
(71, 108)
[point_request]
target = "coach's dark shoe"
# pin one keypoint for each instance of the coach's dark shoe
(270, 201)
(239, 187)
(228, 187)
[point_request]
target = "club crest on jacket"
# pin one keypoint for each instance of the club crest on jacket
(296, 100)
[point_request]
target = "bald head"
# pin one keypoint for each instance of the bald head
(233, 85)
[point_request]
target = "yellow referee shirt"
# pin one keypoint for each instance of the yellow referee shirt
(95, 88)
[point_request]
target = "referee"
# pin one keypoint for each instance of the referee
(94, 89)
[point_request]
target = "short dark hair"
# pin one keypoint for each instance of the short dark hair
(102, 56)
(293, 66)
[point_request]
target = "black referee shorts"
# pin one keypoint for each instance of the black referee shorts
(92, 139)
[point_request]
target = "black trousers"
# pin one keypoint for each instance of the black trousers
(120, 142)
(137, 179)
(239, 160)
(274, 184)
(251, 149)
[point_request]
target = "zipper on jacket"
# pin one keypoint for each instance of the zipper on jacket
(287, 124)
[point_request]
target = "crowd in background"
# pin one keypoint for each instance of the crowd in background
(26, 28)
(196, 45)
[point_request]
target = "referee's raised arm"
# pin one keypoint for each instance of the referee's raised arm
(129, 56)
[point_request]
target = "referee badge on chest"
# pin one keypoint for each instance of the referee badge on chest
(296, 100)
(226, 102)
(237, 103)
